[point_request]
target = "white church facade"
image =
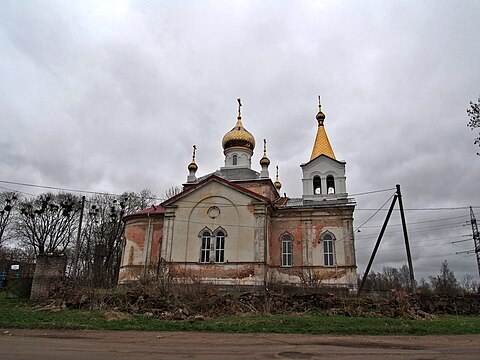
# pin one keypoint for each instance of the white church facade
(233, 228)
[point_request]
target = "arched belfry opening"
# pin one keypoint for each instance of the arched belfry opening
(330, 184)
(317, 185)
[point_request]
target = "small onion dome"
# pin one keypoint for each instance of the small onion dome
(264, 161)
(320, 116)
(192, 166)
(238, 137)
(278, 185)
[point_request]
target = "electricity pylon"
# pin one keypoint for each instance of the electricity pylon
(476, 239)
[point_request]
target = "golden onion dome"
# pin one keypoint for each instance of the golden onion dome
(320, 115)
(278, 185)
(192, 166)
(238, 137)
(264, 161)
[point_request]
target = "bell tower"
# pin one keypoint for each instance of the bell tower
(324, 175)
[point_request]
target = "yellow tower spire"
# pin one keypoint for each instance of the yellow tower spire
(322, 144)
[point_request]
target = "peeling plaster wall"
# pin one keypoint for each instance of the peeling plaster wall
(249, 258)
(235, 217)
(264, 188)
(306, 227)
(218, 274)
(144, 236)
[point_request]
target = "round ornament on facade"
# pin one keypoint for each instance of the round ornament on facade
(213, 212)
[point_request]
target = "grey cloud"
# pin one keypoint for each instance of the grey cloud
(111, 96)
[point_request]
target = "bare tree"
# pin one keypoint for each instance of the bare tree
(103, 234)
(469, 285)
(171, 192)
(424, 287)
(445, 283)
(474, 115)
(389, 279)
(48, 222)
(8, 201)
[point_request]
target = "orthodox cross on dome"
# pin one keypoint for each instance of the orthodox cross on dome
(194, 150)
(319, 104)
(239, 106)
(264, 147)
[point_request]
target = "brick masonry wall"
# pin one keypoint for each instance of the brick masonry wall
(49, 275)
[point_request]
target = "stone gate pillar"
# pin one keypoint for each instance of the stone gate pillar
(49, 275)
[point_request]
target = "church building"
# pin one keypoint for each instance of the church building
(234, 228)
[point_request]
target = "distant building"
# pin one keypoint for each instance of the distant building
(232, 227)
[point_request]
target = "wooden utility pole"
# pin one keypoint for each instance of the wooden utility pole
(398, 195)
(377, 244)
(405, 236)
(77, 245)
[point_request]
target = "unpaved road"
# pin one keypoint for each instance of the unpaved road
(107, 345)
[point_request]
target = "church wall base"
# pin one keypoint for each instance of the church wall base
(242, 276)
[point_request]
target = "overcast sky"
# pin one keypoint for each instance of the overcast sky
(111, 95)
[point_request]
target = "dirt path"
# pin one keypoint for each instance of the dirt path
(107, 345)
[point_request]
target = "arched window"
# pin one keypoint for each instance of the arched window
(287, 250)
(234, 160)
(317, 185)
(328, 257)
(205, 252)
(220, 247)
(213, 245)
(330, 184)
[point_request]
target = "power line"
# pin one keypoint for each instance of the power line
(57, 188)
(16, 191)
(395, 247)
(154, 198)
(417, 230)
(429, 209)
(375, 213)
(371, 192)
(419, 222)
(421, 243)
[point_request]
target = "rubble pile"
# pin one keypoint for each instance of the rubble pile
(201, 305)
